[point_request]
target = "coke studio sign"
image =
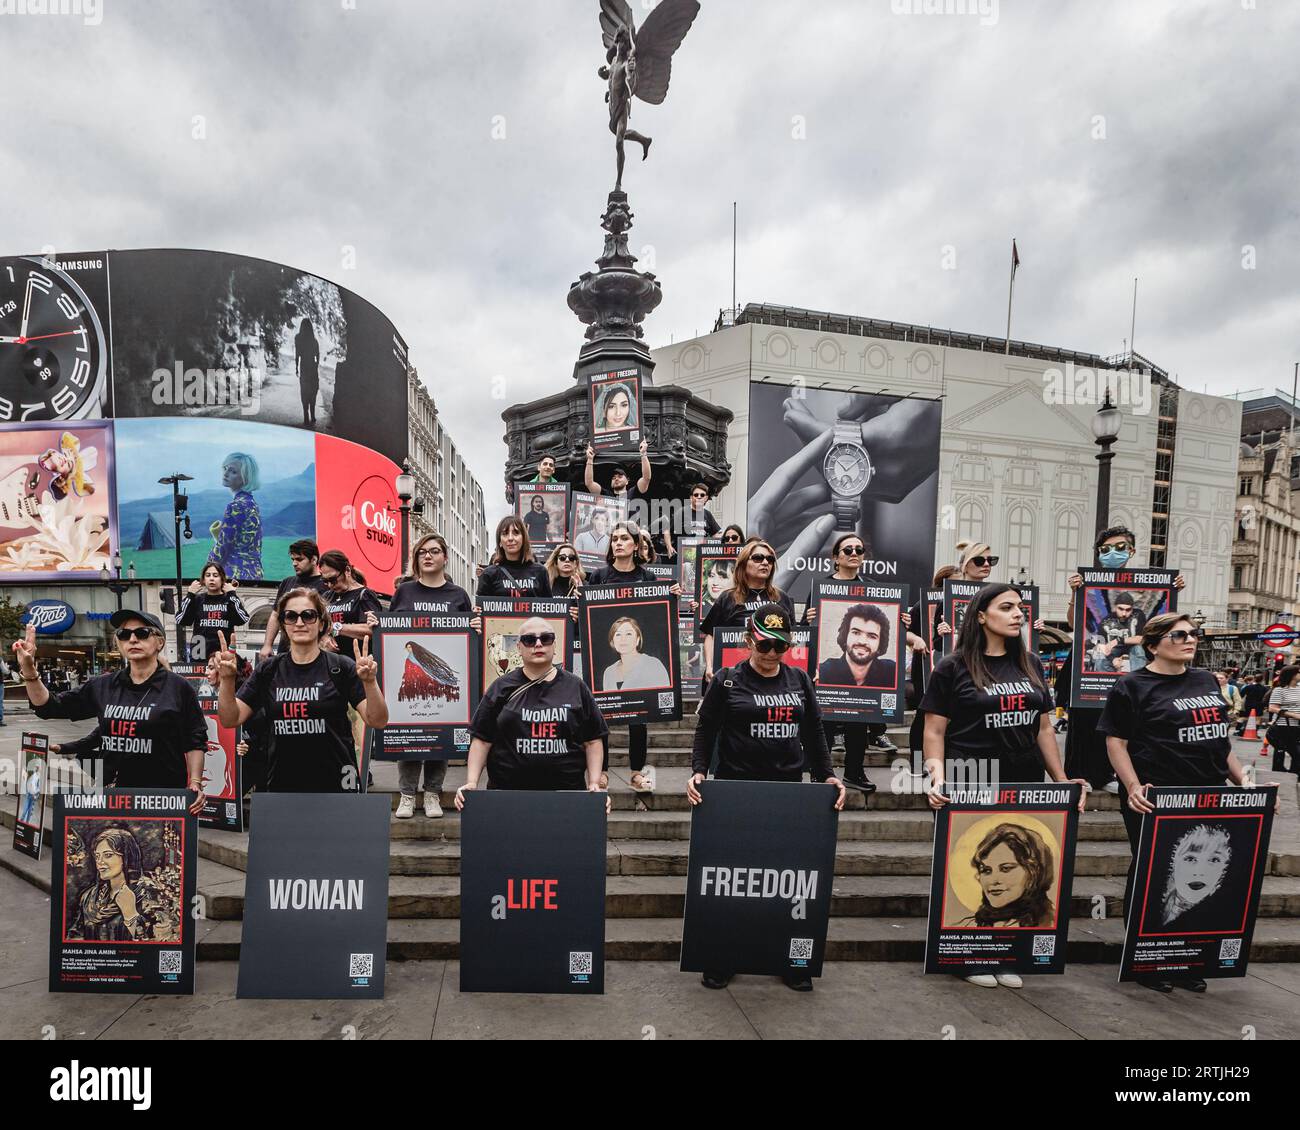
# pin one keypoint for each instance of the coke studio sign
(378, 541)
(357, 508)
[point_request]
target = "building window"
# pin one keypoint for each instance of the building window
(1020, 539)
(971, 472)
(1237, 572)
(1068, 529)
(970, 522)
(1247, 484)
(1071, 480)
(1021, 475)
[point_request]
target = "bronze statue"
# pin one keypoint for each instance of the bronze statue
(639, 62)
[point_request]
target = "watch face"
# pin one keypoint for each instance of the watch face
(847, 469)
(52, 349)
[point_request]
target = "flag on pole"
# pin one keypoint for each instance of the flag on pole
(1015, 257)
(1011, 286)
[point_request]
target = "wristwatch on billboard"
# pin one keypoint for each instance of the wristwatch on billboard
(848, 470)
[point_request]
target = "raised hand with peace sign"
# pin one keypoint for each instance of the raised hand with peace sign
(367, 668)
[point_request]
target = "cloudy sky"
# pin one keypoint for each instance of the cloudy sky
(463, 151)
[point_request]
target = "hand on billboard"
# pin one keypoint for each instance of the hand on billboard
(460, 795)
(916, 643)
(608, 802)
(367, 668)
(1180, 582)
(1074, 580)
(1137, 798)
(935, 795)
(841, 796)
(241, 749)
(906, 617)
(692, 792)
(943, 628)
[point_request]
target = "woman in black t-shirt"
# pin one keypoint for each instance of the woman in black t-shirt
(988, 704)
(538, 727)
(764, 718)
(305, 694)
(751, 588)
(210, 606)
(1166, 724)
(513, 572)
(150, 726)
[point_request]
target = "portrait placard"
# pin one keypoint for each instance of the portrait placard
(592, 518)
(858, 649)
(544, 510)
(630, 651)
(1111, 608)
(501, 620)
(614, 404)
(33, 784)
(223, 768)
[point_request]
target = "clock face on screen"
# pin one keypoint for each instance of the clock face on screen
(847, 468)
(52, 349)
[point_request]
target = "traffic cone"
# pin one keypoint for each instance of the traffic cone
(1251, 732)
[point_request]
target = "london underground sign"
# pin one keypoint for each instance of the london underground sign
(49, 617)
(1279, 635)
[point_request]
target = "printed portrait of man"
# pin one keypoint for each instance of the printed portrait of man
(863, 638)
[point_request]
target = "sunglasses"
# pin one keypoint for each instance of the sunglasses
(982, 561)
(332, 581)
(731, 539)
(1182, 635)
(531, 640)
(699, 494)
(762, 558)
(1119, 545)
(566, 557)
(852, 550)
(307, 616)
(125, 634)
(766, 646)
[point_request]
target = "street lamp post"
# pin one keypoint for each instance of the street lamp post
(180, 503)
(114, 581)
(405, 485)
(1105, 427)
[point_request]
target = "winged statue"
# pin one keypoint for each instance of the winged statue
(639, 62)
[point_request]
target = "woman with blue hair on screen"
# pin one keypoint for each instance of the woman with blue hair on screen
(237, 537)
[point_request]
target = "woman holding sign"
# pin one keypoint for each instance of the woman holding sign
(538, 727)
(151, 729)
(988, 707)
(756, 740)
(513, 572)
(751, 589)
(1166, 724)
(304, 694)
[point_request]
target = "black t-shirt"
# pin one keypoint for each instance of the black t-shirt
(297, 582)
(726, 613)
(837, 672)
(1176, 726)
(537, 523)
(563, 587)
(612, 575)
(515, 579)
(415, 596)
(765, 729)
(307, 713)
(145, 728)
(1000, 721)
(209, 614)
(700, 524)
(537, 735)
(350, 608)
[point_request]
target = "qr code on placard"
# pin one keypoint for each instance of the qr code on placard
(889, 702)
(230, 810)
(1044, 945)
(361, 965)
(801, 949)
(1229, 949)
(580, 961)
(170, 961)
(461, 736)
(665, 700)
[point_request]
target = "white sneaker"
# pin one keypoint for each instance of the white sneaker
(1010, 980)
(1112, 787)
(432, 808)
(406, 807)
(983, 980)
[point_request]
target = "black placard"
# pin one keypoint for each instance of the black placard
(316, 898)
(1001, 879)
(638, 617)
(758, 888)
(429, 672)
(223, 768)
(1196, 883)
(122, 910)
(33, 784)
(500, 632)
(532, 892)
(852, 615)
(956, 596)
(931, 614)
(614, 410)
(1100, 654)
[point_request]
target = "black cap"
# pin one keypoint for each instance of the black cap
(120, 618)
(770, 622)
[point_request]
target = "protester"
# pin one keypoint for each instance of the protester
(1253, 697)
(503, 732)
(210, 606)
(751, 588)
(166, 735)
(988, 709)
(565, 573)
(733, 535)
(1158, 731)
(1230, 694)
(620, 485)
(1284, 717)
(513, 572)
(304, 554)
(305, 694)
(735, 704)
(698, 521)
(430, 591)
(1085, 750)
(916, 615)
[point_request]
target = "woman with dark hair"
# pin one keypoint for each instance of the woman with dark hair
(1166, 724)
(1085, 749)
(1284, 718)
(633, 668)
(616, 410)
(237, 537)
(211, 605)
(111, 910)
(305, 694)
(733, 719)
(513, 572)
(751, 588)
(930, 643)
(733, 535)
(430, 591)
(306, 353)
(167, 735)
(988, 709)
(1015, 870)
